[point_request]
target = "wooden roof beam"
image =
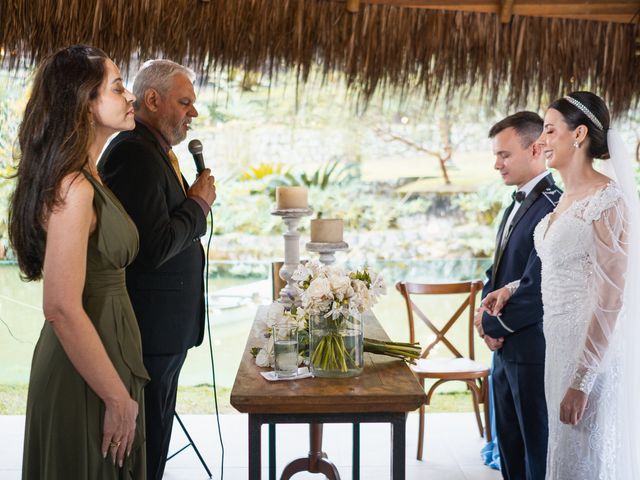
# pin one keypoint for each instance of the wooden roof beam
(620, 11)
(506, 10)
(353, 6)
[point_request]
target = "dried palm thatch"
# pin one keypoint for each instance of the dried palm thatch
(381, 47)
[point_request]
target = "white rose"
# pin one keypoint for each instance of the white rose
(301, 273)
(339, 311)
(262, 319)
(265, 356)
(362, 296)
(301, 315)
(341, 285)
(319, 289)
(316, 269)
(274, 314)
(262, 359)
(334, 270)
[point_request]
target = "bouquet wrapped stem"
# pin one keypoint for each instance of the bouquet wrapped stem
(328, 306)
(409, 352)
(332, 354)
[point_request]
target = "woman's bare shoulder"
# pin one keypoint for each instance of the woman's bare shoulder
(75, 187)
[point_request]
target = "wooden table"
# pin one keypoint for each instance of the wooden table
(384, 393)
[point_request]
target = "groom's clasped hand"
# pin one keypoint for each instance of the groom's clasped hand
(495, 301)
(493, 343)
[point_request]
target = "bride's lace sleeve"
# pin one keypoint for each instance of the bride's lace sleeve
(609, 267)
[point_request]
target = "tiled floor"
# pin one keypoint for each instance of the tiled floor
(452, 446)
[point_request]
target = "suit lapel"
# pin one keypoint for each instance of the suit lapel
(526, 204)
(497, 252)
(540, 187)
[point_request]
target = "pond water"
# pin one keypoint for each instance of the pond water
(236, 289)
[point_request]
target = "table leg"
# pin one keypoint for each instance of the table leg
(316, 461)
(272, 451)
(355, 469)
(255, 445)
(398, 434)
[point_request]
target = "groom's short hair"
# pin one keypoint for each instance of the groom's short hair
(528, 126)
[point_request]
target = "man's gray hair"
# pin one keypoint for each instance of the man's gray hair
(157, 74)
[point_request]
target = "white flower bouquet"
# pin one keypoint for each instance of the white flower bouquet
(334, 301)
(333, 292)
(329, 303)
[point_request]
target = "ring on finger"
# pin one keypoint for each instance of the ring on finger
(115, 444)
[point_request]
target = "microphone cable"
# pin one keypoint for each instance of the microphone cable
(213, 369)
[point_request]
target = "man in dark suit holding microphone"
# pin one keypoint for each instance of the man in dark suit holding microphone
(165, 282)
(515, 333)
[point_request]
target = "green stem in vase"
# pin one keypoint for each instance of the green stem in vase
(327, 358)
(331, 353)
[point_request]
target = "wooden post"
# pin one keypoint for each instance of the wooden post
(506, 10)
(353, 6)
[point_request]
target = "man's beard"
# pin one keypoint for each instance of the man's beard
(174, 133)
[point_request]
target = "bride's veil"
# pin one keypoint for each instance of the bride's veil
(626, 338)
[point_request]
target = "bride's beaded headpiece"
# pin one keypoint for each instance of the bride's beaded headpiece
(579, 105)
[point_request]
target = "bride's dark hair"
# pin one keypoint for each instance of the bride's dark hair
(54, 137)
(574, 116)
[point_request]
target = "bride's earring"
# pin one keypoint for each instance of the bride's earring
(576, 144)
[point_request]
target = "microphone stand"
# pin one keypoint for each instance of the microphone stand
(197, 156)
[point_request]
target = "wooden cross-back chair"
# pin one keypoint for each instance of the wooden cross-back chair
(277, 283)
(460, 368)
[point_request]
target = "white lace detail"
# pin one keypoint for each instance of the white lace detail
(512, 286)
(583, 264)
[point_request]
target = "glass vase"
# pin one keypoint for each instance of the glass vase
(335, 346)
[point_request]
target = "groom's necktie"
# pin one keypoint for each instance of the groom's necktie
(519, 196)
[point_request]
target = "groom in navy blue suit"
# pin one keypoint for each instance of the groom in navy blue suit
(516, 333)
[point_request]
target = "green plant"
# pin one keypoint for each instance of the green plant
(333, 172)
(484, 205)
(263, 171)
(11, 105)
(371, 207)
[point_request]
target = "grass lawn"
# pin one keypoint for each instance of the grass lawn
(199, 400)
(467, 172)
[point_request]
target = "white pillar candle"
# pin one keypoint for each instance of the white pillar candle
(326, 230)
(291, 197)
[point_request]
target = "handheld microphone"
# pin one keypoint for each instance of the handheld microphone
(195, 148)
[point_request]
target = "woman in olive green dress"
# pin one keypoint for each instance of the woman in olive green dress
(84, 408)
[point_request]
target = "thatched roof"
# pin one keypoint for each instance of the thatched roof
(491, 45)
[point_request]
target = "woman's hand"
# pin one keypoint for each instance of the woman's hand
(495, 300)
(119, 428)
(573, 406)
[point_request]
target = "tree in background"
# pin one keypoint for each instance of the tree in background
(12, 103)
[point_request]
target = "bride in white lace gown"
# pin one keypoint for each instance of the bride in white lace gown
(583, 256)
(591, 298)
(583, 247)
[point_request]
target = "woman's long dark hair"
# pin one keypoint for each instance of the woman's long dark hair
(54, 139)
